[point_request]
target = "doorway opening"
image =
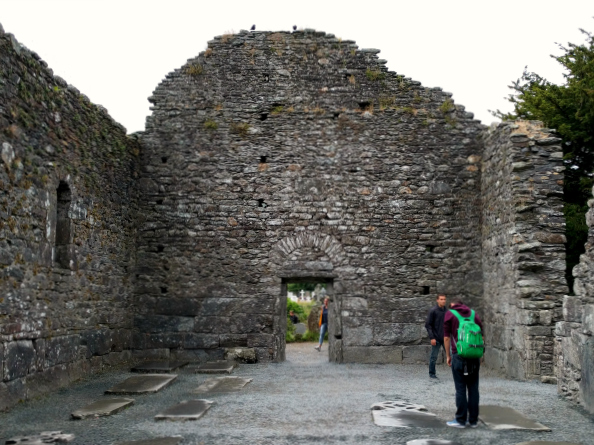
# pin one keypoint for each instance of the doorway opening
(303, 300)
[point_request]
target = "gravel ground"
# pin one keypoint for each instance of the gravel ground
(303, 400)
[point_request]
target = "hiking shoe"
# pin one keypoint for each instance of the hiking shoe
(455, 424)
(317, 348)
(472, 425)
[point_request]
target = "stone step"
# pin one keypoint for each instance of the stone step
(142, 384)
(101, 408)
(186, 410)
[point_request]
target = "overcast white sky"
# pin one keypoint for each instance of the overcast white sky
(116, 52)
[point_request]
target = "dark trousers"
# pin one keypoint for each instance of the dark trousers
(434, 355)
(467, 407)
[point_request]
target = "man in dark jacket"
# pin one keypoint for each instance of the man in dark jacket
(434, 326)
(465, 371)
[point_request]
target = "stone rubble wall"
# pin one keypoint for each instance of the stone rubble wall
(273, 156)
(575, 341)
(523, 252)
(60, 320)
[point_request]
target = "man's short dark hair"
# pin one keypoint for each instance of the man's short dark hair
(456, 300)
(440, 295)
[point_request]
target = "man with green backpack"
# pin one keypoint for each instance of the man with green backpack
(464, 353)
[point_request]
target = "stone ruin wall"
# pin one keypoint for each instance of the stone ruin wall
(64, 297)
(523, 248)
(270, 157)
(575, 341)
(273, 156)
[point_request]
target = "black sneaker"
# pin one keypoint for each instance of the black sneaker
(433, 377)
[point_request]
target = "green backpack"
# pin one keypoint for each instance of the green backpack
(470, 339)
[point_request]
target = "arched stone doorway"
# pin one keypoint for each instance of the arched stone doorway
(313, 258)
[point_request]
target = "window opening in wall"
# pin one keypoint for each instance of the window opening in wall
(266, 78)
(305, 298)
(159, 201)
(261, 203)
(430, 248)
(63, 225)
(163, 289)
(160, 248)
(262, 159)
(336, 115)
(426, 290)
(164, 159)
(263, 116)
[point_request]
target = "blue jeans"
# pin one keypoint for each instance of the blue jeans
(434, 354)
(467, 408)
(323, 330)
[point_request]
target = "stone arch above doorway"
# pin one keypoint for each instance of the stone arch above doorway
(308, 253)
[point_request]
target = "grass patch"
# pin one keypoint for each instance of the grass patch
(194, 69)
(374, 74)
(211, 125)
(447, 106)
(240, 128)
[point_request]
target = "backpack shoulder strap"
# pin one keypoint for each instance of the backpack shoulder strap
(457, 315)
(472, 315)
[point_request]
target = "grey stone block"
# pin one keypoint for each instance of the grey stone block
(396, 333)
(19, 359)
(419, 354)
(372, 354)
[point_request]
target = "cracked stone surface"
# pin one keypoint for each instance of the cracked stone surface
(157, 367)
(222, 384)
(506, 418)
(41, 438)
(543, 442)
(186, 410)
(282, 406)
(174, 440)
(401, 414)
(103, 407)
(217, 367)
(432, 442)
(141, 384)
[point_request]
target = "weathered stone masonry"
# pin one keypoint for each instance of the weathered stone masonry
(523, 250)
(272, 157)
(67, 209)
(267, 142)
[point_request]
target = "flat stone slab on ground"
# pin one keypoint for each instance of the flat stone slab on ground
(156, 367)
(186, 410)
(42, 438)
(141, 384)
(300, 328)
(544, 442)
(432, 442)
(104, 407)
(222, 384)
(404, 415)
(218, 367)
(173, 440)
(505, 418)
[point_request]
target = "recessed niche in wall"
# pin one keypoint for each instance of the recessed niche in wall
(63, 225)
(430, 248)
(426, 290)
(262, 159)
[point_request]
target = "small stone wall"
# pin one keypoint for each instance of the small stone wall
(304, 144)
(575, 341)
(523, 248)
(67, 230)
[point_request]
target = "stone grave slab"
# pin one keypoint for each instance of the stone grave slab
(104, 407)
(398, 413)
(222, 384)
(544, 442)
(173, 440)
(217, 367)
(41, 438)
(432, 442)
(142, 384)
(186, 410)
(505, 418)
(154, 367)
(300, 328)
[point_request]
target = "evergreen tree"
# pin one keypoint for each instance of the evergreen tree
(568, 108)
